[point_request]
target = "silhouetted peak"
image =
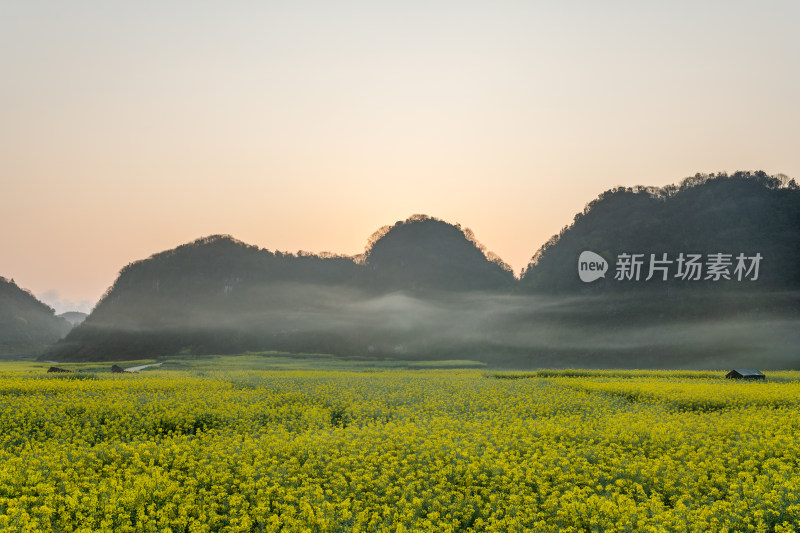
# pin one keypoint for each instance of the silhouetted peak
(73, 317)
(745, 212)
(9, 290)
(417, 230)
(217, 240)
(427, 252)
(425, 231)
(212, 244)
(27, 325)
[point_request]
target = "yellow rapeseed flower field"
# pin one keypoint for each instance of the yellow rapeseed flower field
(398, 450)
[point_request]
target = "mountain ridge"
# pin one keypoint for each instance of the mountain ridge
(748, 212)
(424, 286)
(27, 325)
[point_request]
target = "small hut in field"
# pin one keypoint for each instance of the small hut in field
(747, 374)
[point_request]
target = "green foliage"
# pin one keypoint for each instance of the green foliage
(425, 289)
(27, 325)
(745, 212)
(425, 253)
(219, 295)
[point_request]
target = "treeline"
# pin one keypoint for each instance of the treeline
(419, 254)
(746, 212)
(427, 288)
(27, 326)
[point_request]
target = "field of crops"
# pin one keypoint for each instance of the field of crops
(398, 450)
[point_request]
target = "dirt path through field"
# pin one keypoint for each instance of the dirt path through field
(142, 367)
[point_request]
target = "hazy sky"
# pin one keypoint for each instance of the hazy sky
(127, 128)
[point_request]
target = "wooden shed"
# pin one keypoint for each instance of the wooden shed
(749, 374)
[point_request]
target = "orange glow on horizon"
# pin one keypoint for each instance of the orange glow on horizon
(127, 131)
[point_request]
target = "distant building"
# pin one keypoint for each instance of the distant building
(749, 374)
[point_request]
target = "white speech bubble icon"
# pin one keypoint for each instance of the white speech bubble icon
(591, 266)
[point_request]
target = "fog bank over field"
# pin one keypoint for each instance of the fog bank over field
(525, 331)
(427, 289)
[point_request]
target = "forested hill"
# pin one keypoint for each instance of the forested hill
(220, 294)
(27, 325)
(426, 289)
(745, 213)
(425, 253)
(419, 254)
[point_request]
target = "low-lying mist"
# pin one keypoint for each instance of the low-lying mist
(646, 330)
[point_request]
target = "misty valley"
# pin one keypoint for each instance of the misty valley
(612, 289)
(597, 356)
(422, 386)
